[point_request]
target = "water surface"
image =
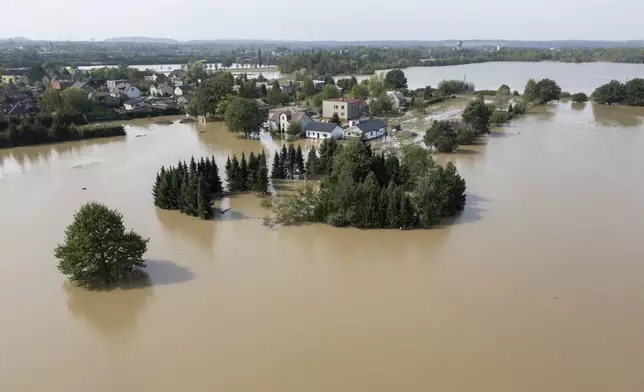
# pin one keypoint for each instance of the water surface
(537, 286)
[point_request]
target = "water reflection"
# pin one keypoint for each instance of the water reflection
(197, 232)
(578, 106)
(113, 314)
(614, 116)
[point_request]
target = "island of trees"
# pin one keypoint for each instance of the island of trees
(98, 251)
(616, 92)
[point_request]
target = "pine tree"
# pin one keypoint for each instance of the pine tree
(186, 198)
(260, 185)
(213, 179)
(204, 207)
(176, 178)
(276, 173)
(406, 212)
(157, 185)
(201, 167)
(243, 173)
(299, 160)
(234, 185)
(230, 174)
(510, 108)
(193, 166)
(284, 162)
(312, 161)
(253, 165)
(193, 186)
(393, 206)
(291, 162)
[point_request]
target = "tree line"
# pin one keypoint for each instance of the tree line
(188, 187)
(629, 93)
(369, 190)
(247, 175)
(52, 129)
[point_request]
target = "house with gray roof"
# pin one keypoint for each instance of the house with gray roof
(367, 129)
(87, 89)
(280, 119)
(322, 130)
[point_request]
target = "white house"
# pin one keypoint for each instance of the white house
(281, 119)
(161, 90)
(397, 99)
(181, 90)
(322, 130)
(113, 83)
(369, 129)
(136, 105)
(125, 89)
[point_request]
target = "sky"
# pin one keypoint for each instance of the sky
(333, 20)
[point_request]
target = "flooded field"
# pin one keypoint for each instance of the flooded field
(537, 286)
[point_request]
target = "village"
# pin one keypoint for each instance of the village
(326, 111)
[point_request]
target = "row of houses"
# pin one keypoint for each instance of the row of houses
(359, 125)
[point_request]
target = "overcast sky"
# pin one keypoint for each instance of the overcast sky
(342, 20)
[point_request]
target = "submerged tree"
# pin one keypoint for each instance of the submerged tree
(97, 249)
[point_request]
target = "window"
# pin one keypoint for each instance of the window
(342, 114)
(342, 107)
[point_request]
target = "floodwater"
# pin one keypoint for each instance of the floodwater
(584, 77)
(270, 72)
(537, 286)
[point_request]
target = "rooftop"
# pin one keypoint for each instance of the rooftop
(348, 100)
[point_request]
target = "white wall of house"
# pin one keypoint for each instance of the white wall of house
(336, 134)
(355, 132)
(133, 92)
(137, 106)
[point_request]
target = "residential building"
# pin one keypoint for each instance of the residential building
(156, 78)
(318, 84)
(364, 107)
(61, 84)
(126, 91)
(15, 76)
(161, 90)
(280, 119)
(97, 82)
(136, 105)
(398, 100)
(182, 90)
(103, 98)
(87, 89)
(113, 83)
(346, 109)
(183, 100)
(18, 109)
(322, 130)
(368, 129)
(287, 87)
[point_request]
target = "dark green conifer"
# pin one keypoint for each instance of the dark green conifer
(234, 183)
(393, 206)
(253, 165)
(243, 173)
(193, 166)
(299, 160)
(276, 173)
(291, 162)
(312, 162)
(284, 162)
(186, 196)
(230, 174)
(213, 177)
(204, 207)
(157, 185)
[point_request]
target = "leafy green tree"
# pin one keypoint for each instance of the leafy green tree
(276, 96)
(396, 79)
(442, 136)
(499, 117)
(244, 115)
(294, 129)
(548, 90)
(359, 91)
(51, 101)
(579, 97)
(308, 88)
(634, 92)
(335, 119)
(75, 101)
(97, 250)
(609, 93)
(380, 105)
(531, 91)
(477, 114)
(329, 91)
(503, 95)
(210, 92)
(377, 84)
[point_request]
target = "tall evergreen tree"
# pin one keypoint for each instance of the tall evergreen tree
(253, 166)
(276, 173)
(213, 179)
(393, 206)
(156, 192)
(234, 183)
(201, 167)
(312, 162)
(193, 166)
(176, 179)
(284, 162)
(299, 160)
(260, 185)
(230, 174)
(243, 173)
(406, 212)
(204, 207)
(291, 162)
(186, 196)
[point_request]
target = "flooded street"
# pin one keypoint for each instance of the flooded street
(537, 286)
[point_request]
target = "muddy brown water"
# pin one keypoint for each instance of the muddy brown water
(537, 286)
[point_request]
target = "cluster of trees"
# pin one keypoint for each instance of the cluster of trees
(97, 250)
(52, 129)
(288, 163)
(188, 187)
(450, 87)
(369, 190)
(629, 93)
(579, 97)
(251, 175)
(543, 91)
(71, 101)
